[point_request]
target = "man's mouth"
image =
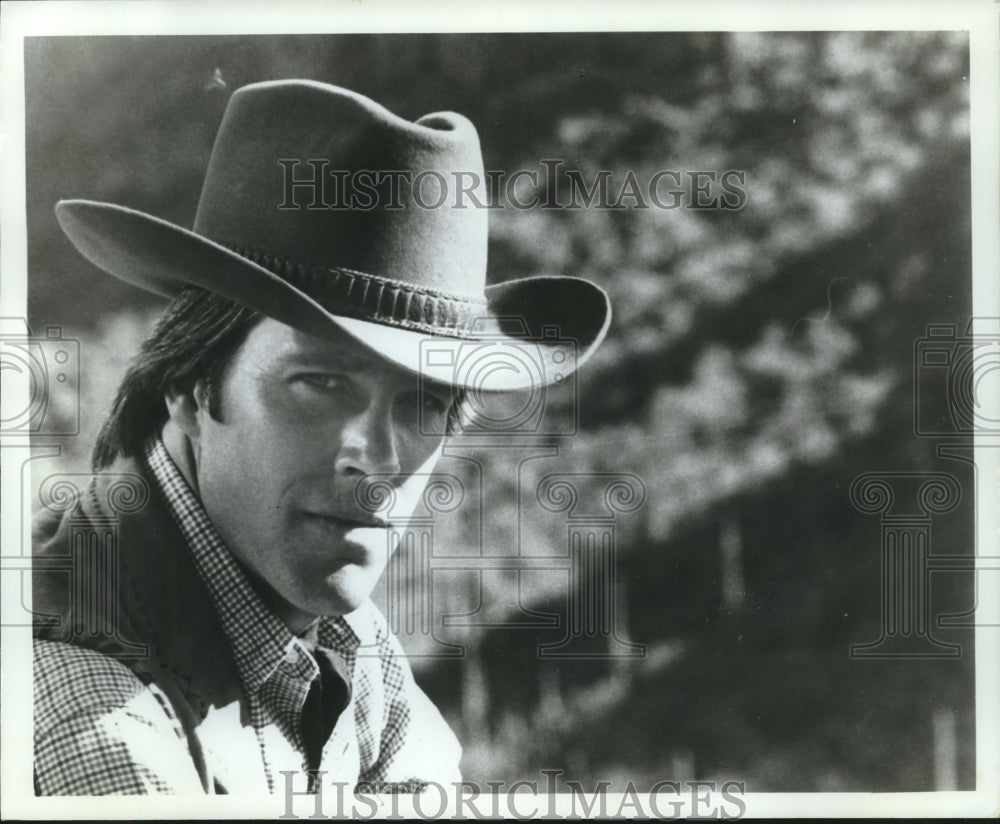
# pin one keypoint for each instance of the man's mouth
(346, 521)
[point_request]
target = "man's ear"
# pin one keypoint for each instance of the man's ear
(186, 406)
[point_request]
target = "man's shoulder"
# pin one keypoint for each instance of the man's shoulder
(97, 498)
(100, 729)
(403, 737)
(71, 680)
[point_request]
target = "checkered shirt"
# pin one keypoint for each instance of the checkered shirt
(126, 739)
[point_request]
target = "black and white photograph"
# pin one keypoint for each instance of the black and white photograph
(500, 414)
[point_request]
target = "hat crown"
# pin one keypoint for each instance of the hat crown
(323, 177)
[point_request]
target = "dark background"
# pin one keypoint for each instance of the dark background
(759, 361)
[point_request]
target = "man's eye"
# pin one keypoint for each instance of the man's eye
(433, 405)
(436, 398)
(323, 381)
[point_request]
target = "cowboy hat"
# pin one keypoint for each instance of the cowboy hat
(320, 207)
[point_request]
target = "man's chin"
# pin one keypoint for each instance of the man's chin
(340, 593)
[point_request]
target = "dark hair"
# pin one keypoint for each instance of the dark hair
(195, 338)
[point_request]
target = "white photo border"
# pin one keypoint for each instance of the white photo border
(159, 17)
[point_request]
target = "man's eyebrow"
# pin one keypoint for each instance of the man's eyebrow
(325, 359)
(440, 388)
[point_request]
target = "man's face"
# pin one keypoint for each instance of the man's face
(301, 422)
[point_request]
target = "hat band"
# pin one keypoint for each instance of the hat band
(380, 300)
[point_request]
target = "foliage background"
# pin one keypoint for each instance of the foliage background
(760, 359)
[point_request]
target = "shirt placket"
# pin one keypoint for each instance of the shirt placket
(283, 695)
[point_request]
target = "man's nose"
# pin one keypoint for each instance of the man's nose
(368, 443)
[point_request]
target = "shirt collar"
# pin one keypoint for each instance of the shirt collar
(260, 640)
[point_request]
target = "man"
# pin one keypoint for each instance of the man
(241, 651)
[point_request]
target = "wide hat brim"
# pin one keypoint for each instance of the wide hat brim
(535, 331)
